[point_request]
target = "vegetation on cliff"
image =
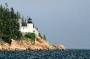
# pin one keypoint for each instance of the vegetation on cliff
(9, 26)
(31, 36)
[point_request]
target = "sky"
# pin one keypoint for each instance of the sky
(64, 22)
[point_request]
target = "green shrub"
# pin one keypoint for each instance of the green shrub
(31, 36)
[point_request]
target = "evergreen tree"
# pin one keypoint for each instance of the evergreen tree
(9, 25)
(44, 37)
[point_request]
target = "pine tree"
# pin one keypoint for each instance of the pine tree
(9, 25)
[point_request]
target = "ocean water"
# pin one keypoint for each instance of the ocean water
(50, 54)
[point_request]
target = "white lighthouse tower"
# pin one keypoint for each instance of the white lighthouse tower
(30, 26)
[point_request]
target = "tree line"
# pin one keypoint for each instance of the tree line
(9, 24)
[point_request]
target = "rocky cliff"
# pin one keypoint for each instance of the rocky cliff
(40, 44)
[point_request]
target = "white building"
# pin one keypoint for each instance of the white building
(26, 26)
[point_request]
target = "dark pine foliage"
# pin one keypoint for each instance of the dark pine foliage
(9, 25)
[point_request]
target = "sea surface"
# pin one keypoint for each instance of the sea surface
(49, 54)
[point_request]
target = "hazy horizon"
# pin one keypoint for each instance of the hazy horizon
(62, 21)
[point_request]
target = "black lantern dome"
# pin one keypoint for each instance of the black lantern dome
(29, 20)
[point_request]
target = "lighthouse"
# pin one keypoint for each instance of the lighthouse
(27, 26)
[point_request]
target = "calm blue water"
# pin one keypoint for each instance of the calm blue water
(52, 54)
